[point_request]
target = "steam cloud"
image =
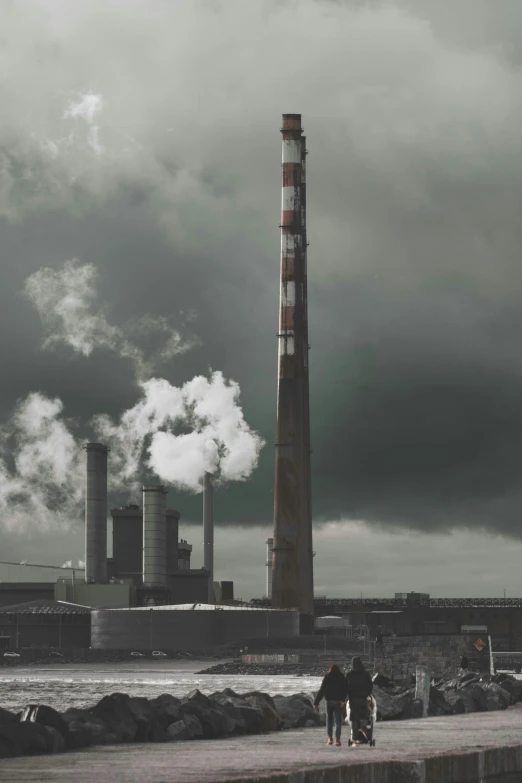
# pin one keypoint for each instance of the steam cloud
(41, 467)
(64, 300)
(177, 433)
(219, 440)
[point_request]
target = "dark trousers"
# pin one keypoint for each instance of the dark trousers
(359, 715)
(334, 711)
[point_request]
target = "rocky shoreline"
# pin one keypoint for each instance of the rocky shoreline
(117, 718)
(270, 669)
(124, 657)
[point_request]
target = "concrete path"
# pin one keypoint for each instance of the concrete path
(458, 749)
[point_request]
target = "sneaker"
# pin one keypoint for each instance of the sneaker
(338, 742)
(330, 741)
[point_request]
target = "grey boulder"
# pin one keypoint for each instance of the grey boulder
(272, 720)
(167, 709)
(296, 710)
(248, 719)
(213, 718)
(392, 706)
(117, 717)
(187, 729)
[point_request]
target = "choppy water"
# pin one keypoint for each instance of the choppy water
(80, 685)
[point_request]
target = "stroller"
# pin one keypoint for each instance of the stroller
(362, 734)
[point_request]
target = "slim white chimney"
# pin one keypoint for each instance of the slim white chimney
(208, 533)
(268, 563)
(154, 536)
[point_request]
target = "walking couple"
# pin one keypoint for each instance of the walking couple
(336, 690)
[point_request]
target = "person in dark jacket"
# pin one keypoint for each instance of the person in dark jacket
(360, 687)
(333, 690)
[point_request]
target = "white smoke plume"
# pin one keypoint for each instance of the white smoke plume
(41, 467)
(80, 564)
(181, 433)
(65, 301)
(177, 433)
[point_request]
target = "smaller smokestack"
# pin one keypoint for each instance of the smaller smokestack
(268, 563)
(208, 533)
(154, 536)
(96, 513)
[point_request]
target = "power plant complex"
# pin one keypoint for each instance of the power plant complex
(146, 595)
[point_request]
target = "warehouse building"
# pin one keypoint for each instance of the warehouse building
(43, 623)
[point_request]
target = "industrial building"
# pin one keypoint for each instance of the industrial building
(417, 614)
(144, 568)
(22, 592)
(44, 623)
(149, 564)
(145, 596)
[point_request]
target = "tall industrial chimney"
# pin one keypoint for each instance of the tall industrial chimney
(208, 533)
(292, 569)
(96, 513)
(154, 536)
(268, 563)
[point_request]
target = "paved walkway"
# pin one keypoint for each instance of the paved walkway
(457, 749)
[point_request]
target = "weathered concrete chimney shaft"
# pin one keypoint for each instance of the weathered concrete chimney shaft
(154, 536)
(96, 513)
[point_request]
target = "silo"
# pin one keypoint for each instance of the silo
(154, 536)
(96, 513)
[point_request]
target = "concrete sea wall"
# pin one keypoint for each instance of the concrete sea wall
(494, 765)
(398, 656)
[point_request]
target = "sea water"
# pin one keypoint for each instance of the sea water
(81, 685)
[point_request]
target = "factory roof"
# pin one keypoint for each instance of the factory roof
(45, 606)
(196, 606)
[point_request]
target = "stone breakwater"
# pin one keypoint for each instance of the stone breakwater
(468, 692)
(271, 669)
(118, 718)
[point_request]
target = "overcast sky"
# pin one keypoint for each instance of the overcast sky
(141, 138)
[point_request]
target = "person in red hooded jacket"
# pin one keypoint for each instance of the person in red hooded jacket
(334, 690)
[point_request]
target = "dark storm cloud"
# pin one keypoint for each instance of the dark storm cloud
(169, 184)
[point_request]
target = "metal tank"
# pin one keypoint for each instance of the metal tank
(191, 627)
(154, 536)
(96, 513)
